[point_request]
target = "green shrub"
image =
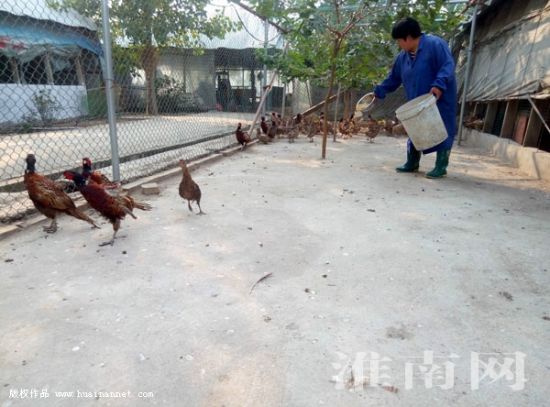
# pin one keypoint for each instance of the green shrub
(97, 102)
(172, 98)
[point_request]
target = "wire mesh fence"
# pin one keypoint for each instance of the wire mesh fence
(171, 103)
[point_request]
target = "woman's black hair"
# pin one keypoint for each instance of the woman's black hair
(403, 28)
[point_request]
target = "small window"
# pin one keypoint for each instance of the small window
(481, 110)
(544, 140)
(91, 68)
(34, 71)
(64, 70)
(6, 72)
(544, 136)
(499, 118)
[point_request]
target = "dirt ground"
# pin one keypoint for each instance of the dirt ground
(372, 273)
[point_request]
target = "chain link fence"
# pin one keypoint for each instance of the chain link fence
(171, 103)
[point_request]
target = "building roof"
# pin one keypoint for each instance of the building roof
(40, 10)
(511, 53)
(28, 29)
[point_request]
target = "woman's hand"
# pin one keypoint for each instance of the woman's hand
(436, 92)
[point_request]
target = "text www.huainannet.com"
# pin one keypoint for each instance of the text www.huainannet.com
(103, 394)
(44, 394)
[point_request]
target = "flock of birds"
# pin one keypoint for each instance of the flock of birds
(51, 197)
(106, 197)
(312, 125)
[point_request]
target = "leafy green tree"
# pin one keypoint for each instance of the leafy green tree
(347, 41)
(148, 25)
(371, 50)
(317, 33)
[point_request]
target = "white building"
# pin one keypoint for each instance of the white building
(49, 60)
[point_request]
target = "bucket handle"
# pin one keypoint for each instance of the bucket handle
(425, 107)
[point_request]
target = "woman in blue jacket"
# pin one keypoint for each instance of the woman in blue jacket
(425, 65)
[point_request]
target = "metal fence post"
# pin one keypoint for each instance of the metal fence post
(467, 73)
(109, 81)
(264, 74)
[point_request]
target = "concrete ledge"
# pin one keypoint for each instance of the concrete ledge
(533, 162)
(80, 202)
(542, 160)
(8, 230)
(526, 161)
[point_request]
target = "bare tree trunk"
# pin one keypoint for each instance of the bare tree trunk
(149, 61)
(336, 106)
(335, 51)
(346, 104)
(340, 36)
(352, 100)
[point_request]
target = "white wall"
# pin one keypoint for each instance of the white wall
(533, 162)
(16, 101)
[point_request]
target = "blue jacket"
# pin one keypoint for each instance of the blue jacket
(433, 66)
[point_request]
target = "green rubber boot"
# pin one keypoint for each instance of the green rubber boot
(413, 160)
(441, 163)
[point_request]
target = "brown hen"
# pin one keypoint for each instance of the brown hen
(131, 203)
(264, 126)
(189, 189)
(49, 198)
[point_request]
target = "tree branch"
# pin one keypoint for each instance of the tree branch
(254, 12)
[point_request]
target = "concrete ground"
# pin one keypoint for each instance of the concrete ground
(63, 147)
(371, 272)
(58, 150)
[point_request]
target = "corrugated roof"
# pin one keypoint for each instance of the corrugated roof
(511, 55)
(39, 9)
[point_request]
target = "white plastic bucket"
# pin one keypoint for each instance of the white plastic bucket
(422, 121)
